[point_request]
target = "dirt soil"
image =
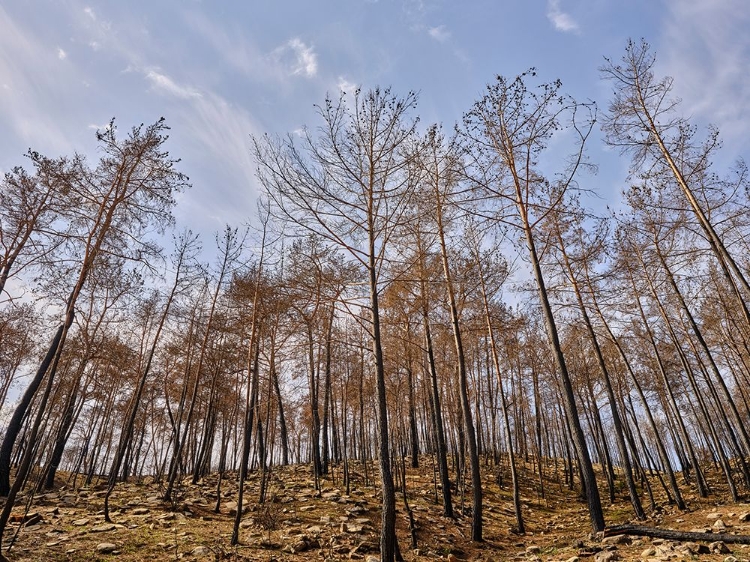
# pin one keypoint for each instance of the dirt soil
(298, 522)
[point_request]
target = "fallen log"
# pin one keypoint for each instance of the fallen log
(672, 535)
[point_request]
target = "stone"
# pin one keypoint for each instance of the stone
(32, 519)
(719, 547)
(573, 559)
(231, 507)
(452, 558)
(713, 515)
(201, 551)
(140, 511)
(69, 500)
(103, 528)
(80, 522)
(616, 539)
(744, 517)
(719, 525)
(533, 549)
(648, 553)
(694, 548)
(730, 559)
(606, 556)
(106, 548)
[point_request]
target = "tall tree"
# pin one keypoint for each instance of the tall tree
(119, 203)
(643, 121)
(508, 131)
(351, 184)
(441, 169)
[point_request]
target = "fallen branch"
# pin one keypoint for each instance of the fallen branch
(682, 536)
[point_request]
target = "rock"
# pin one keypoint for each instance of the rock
(694, 548)
(730, 559)
(452, 558)
(231, 507)
(32, 519)
(606, 556)
(616, 539)
(648, 553)
(106, 548)
(745, 517)
(201, 551)
(140, 511)
(719, 547)
(719, 525)
(372, 559)
(573, 559)
(305, 508)
(69, 500)
(103, 528)
(713, 515)
(533, 549)
(80, 522)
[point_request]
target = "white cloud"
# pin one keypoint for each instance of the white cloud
(297, 57)
(62, 55)
(345, 86)
(561, 20)
(439, 33)
(163, 83)
(89, 12)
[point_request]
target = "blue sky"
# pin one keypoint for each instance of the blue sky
(220, 71)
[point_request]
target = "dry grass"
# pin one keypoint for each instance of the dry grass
(300, 523)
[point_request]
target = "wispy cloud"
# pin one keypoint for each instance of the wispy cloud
(439, 33)
(706, 48)
(32, 81)
(166, 85)
(62, 55)
(219, 134)
(300, 59)
(561, 20)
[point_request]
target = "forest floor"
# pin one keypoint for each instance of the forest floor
(298, 522)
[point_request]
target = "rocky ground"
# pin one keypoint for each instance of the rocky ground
(300, 523)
